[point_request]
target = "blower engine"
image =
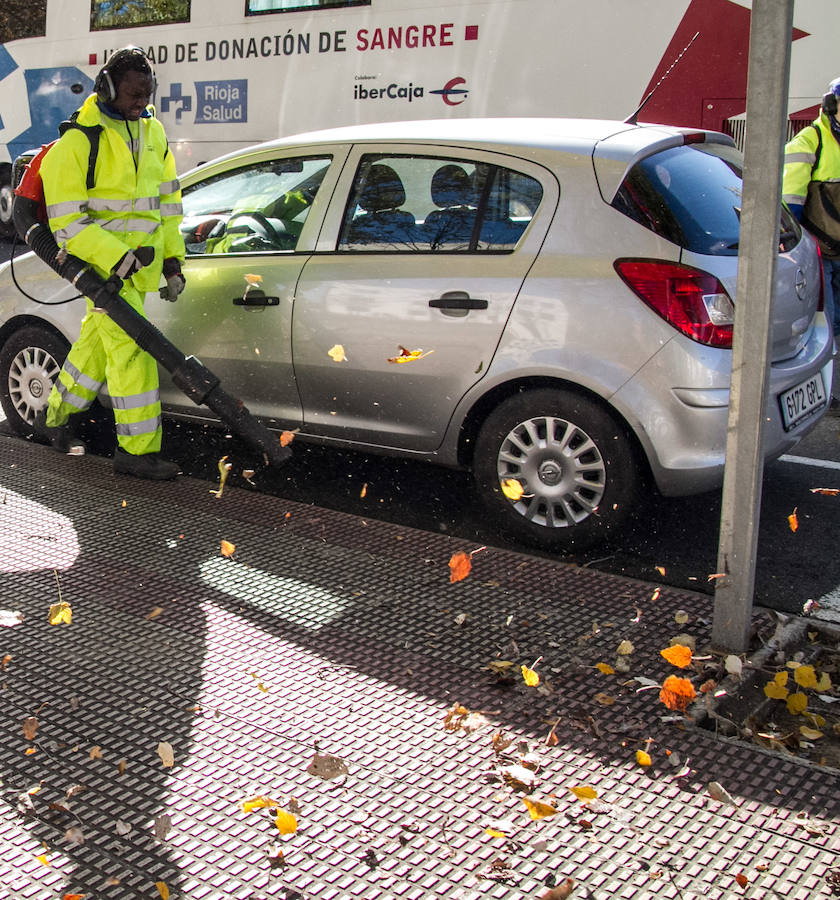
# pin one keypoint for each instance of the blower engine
(193, 378)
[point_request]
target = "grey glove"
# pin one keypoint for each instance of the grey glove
(174, 285)
(175, 281)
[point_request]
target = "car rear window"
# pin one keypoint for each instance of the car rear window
(691, 196)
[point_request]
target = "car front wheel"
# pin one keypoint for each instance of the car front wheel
(556, 470)
(29, 364)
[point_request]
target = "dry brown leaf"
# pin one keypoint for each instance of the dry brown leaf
(327, 766)
(30, 727)
(561, 891)
(166, 754)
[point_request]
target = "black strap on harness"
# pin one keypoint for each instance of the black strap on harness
(93, 132)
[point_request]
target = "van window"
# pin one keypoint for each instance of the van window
(105, 14)
(265, 6)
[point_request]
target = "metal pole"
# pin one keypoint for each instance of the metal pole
(767, 91)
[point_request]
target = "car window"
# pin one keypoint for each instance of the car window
(424, 203)
(253, 209)
(691, 195)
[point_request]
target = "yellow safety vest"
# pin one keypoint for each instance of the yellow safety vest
(812, 180)
(135, 200)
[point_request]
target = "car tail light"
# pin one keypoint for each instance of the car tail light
(694, 302)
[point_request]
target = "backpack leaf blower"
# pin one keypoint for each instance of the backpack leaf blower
(188, 374)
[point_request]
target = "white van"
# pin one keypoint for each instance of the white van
(235, 72)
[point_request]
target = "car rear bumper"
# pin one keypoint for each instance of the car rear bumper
(683, 428)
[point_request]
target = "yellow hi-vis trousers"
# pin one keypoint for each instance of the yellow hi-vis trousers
(105, 361)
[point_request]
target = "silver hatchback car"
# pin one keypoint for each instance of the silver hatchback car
(545, 302)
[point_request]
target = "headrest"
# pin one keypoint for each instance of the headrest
(383, 189)
(450, 186)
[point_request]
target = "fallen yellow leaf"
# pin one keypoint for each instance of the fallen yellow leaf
(494, 832)
(603, 667)
(408, 355)
(537, 809)
(529, 676)
(584, 792)
(337, 353)
(776, 689)
(643, 759)
(824, 684)
(512, 489)
(797, 703)
(285, 822)
(259, 802)
(43, 860)
(162, 889)
(805, 676)
(60, 613)
(810, 734)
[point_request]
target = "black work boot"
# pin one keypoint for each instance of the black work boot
(146, 465)
(59, 437)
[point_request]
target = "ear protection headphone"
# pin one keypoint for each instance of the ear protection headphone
(829, 100)
(104, 85)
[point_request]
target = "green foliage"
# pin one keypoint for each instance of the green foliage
(106, 14)
(22, 18)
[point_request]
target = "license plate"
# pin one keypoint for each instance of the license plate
(802, 401)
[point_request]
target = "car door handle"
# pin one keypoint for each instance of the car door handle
(457, 300)
(256, 298)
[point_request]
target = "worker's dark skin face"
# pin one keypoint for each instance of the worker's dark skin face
(133, 94)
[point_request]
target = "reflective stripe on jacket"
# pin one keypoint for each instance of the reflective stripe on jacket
(132, 204)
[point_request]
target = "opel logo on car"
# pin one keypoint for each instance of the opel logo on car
(800, 283)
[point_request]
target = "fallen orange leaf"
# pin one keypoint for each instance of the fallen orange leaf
(829, 492)
(793, 520)
(227, 548)
(742, 879)
(286, 438)
(678, 655)
(459, 566)
(677, 693)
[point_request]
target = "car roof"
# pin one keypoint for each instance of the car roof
(558, 134)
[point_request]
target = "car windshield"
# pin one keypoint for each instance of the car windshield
(691, 195)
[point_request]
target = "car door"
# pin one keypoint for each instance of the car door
(401, 309)
(249, 226)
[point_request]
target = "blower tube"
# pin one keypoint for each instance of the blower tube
(194, 379)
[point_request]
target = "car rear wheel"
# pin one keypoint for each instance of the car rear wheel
(556, 469)
(29, 364)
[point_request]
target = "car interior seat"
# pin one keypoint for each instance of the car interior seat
(451, 225)
(382, 221)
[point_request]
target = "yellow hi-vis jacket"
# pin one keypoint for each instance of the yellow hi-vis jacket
(812, 157)
(135, 201)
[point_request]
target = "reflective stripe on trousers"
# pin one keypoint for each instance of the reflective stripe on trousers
(105, 354)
